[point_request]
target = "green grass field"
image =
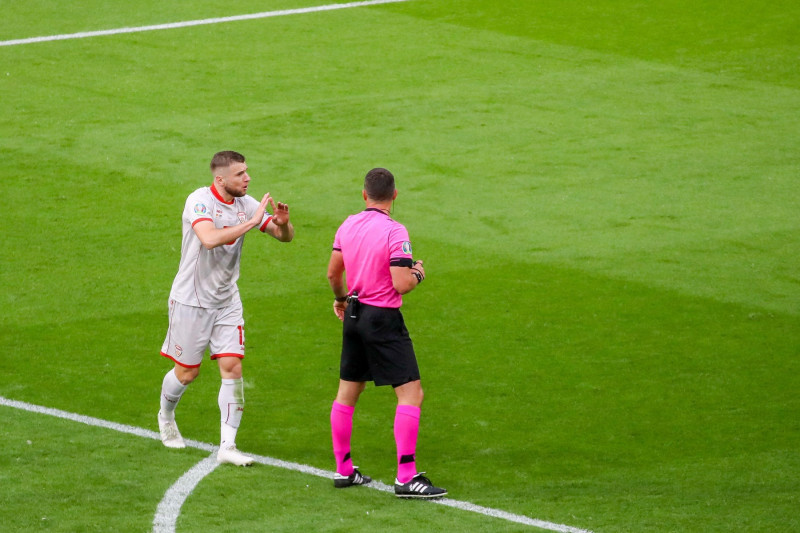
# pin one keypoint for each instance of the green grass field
(604, 194)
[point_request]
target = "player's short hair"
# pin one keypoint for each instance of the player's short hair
(225, 159)
(379, 184)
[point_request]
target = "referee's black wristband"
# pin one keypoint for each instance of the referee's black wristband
(418, 275)
(340, 298)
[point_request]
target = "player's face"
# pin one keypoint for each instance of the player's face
(235, 179)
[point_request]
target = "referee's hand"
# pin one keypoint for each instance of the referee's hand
(339, 308)
(418, 267)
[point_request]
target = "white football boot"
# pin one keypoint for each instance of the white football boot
(231, 455)
(170, 435)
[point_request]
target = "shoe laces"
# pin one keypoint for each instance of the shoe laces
(422, 479)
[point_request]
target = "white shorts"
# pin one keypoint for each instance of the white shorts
(193, 329)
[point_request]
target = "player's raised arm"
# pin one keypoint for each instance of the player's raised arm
(211, 237)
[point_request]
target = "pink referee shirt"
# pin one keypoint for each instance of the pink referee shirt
(369, 242)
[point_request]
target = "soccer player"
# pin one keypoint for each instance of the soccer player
(205, 310)
(375, 252)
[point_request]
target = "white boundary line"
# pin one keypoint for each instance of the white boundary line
(270, 461)
(185, 24)
(170, 506)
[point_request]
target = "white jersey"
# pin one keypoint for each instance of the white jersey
(207, 278)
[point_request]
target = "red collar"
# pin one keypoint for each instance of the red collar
(218, 196)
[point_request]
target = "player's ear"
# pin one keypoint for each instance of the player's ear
(364, 194)
(394, 195)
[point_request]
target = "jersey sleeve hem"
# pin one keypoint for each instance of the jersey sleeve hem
(201, 220)
(263, 227)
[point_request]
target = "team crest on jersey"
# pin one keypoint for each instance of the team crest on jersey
(407, 247)
(178, 350)
(200, 209)
(218, 213)
(242, 216)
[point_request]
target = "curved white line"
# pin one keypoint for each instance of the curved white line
(173, 25)
(288, 465)
(169, 508)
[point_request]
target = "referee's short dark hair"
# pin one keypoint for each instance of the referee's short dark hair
(225, 159)
(379, 184)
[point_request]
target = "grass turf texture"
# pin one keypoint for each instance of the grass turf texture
(604, 197)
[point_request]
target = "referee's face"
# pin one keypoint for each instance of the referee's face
(235, 179)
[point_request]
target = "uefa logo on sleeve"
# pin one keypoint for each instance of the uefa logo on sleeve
(407, 247)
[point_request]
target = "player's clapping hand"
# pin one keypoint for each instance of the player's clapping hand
(262, 206)
(280, 212)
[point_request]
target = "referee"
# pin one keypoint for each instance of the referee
(375, 252)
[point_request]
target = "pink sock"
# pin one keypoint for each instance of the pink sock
(406, 429)
(341, 429)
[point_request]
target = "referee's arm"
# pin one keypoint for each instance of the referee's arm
(336, 274)
(336, 281)
(405, 279)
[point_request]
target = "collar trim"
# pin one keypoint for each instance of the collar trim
(218, 196)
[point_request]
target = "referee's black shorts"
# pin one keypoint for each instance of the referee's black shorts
(376, 347)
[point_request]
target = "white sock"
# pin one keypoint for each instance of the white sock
(171, 391)
(231, 406)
